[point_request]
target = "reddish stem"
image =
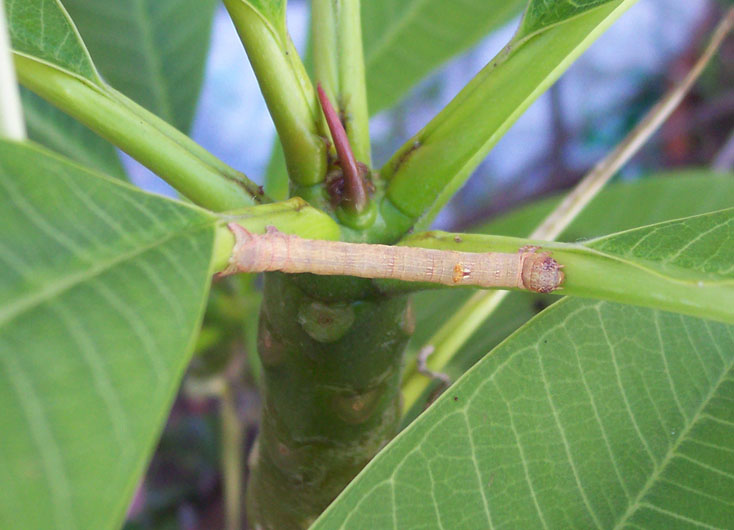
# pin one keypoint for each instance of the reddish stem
(354, 187)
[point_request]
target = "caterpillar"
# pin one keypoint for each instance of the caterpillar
(276, 251)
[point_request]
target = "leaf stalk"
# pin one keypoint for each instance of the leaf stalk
(428, 169)
(180, 161)
(288, 92)
(339, 66)
(232, 468)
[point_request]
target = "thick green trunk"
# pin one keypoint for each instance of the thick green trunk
(331, 365)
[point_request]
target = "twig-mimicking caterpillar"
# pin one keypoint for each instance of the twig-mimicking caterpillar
(276, 251)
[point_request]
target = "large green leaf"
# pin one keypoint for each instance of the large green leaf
(62, 133)
(405, 39)
(617, 208)
(625, 205)
(158, 60)
(703, 245)
(151, 50)
(592, 415)
(103, 287)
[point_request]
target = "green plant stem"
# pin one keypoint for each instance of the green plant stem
(326, 411)
(178, 160)
(339, 67)
(447, 341)
(288, 92)
(232, 438)
(325, 39)
(189, 145)
(425, 173)
(459, 328)
(12, 125)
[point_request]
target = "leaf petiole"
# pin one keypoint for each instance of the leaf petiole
(191, 170)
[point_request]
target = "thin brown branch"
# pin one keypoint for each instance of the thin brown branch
(592, 183)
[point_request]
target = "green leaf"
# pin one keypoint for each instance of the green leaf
(592, 415)
(700, 244)
(541, 14)
(617, 208)
(404, 41)
(42, 29)
(428, 169)
(58, 131)
(158, 60)
(103, 288)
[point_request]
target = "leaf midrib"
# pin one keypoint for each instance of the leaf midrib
(659, 468)
(662, 269)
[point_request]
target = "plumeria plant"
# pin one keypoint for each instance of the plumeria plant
(610, 408)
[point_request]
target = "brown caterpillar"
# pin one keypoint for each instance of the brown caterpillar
(276, 251)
